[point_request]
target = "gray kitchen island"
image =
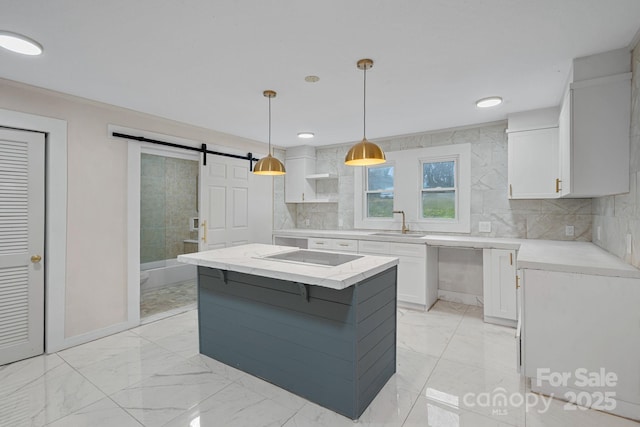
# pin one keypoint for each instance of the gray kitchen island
(321, 325)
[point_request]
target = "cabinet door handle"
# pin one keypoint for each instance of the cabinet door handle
(558, 181)
(510, 258)
(510, 191)
(517, 282)
(319, 243)
(343, 244)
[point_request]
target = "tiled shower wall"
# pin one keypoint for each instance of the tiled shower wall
(535, 219)
(168, 188)
(619, 215)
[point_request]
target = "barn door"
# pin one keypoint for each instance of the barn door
(22, 204)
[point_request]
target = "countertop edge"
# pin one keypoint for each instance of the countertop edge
(525, 259)
(383, 263)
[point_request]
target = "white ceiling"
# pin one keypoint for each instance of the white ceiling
(206, 62)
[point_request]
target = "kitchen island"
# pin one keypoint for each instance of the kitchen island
(321, 325)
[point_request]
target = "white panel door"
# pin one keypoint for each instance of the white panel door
(21, 245)
(236, 204)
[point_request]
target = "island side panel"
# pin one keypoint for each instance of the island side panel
(376, 335)
(266, 327)
(318, 349)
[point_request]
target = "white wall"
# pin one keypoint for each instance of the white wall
(96, 284)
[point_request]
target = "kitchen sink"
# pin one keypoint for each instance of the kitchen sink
(314, 257)
(415, 234)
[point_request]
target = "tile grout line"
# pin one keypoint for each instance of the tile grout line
(434, 367)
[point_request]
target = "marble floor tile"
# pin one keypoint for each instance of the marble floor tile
(468, 387)
(271, 391)
(482, 344)
(166, 395)
(56, 394)
(426, 413)
(102, 349)
(413, 369)
(217, 367)
(185, 344)
(128, 368)
(431, 340)
(103, 413)
(20, 374)
(235, 406)
(446, 358)
(178, 324)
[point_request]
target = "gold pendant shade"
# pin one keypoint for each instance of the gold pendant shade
(269, 165)
(364, 153)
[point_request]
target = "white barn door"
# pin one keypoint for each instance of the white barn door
(236, 205)
(22, 204)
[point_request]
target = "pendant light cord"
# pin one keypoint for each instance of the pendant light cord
(269, 125)
(364, 106)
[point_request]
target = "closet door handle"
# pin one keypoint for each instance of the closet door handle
(204, 231)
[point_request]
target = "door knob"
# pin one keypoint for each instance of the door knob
(36, 258)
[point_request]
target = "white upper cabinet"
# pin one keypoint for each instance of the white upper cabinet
(582, 150)
(594, 126)
(532, 150)
(300, 179)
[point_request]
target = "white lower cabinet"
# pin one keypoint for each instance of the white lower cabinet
(338, 245)
(581, 338)
(412, 267)
(499, 282)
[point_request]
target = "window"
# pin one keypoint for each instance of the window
(432, 185)
(379, 192)
(439, 195)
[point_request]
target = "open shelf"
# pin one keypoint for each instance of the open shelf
(322, 176)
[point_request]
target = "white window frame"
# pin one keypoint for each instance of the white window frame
(367, 191)
(407, 191)
(456, 165)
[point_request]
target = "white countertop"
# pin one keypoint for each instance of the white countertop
(250, 259)
(551, 255)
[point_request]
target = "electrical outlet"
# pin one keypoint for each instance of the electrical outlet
(307, 222)
(484, 226)
(569, 231)
(628, 241)
(599, 233)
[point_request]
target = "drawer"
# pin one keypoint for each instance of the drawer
(345, 245)
(373, 247)
(316, 243)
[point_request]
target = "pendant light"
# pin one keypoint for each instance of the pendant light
(364, 153)
(269, 165)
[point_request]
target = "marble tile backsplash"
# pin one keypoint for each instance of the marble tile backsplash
(617, 216)
(536, 219)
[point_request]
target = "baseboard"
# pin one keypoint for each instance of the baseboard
(501, 322)
(411, 305)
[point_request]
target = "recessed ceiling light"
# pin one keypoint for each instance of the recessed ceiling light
(492, 101)
(311, 79)
(306, 135)
(19, 43)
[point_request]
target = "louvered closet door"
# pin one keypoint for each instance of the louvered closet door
(21, 245)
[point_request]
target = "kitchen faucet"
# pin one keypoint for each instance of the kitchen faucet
(404, 225)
